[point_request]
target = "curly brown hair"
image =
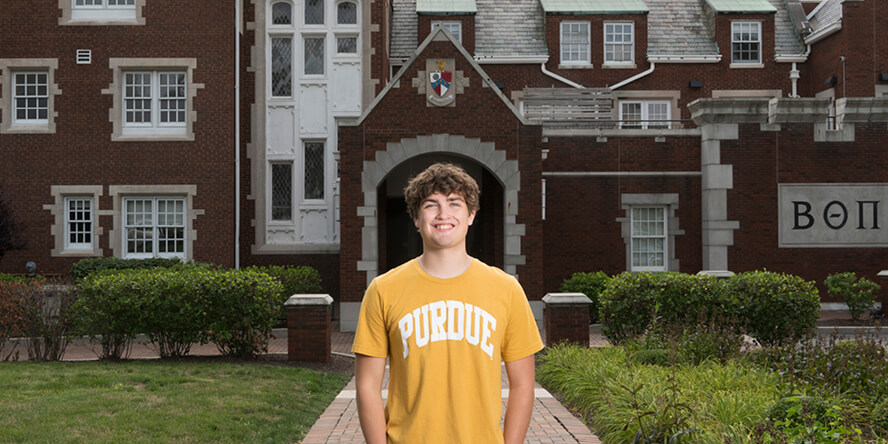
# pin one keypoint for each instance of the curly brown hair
(444, 178)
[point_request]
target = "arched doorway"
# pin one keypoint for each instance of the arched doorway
(398, 239)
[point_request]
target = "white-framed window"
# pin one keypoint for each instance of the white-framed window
(454, 28)
(30, 97)
(645, 114)
(347, 13)
(619, 43)
(314, 55)
(314, 12)
(27, 95)
(575, 43)
(282, 191)
(746, 42)
(281, 66)
(154, 102)
(153, 99)
(281, 13)
(313, 162)
(649, 237)
(114, 11)
(79, 223)
(346, 44)
(154, 227)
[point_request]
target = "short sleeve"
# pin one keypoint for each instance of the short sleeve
(371, 336)
(522, 336)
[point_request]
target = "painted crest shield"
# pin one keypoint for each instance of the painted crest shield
(440, 79)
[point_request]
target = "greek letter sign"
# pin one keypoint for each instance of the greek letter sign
(828, 215)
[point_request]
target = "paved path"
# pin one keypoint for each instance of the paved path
(551, 421)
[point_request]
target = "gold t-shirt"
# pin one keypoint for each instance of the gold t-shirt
(445, 340)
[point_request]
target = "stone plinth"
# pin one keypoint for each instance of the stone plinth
(309, 327)
(566, 318)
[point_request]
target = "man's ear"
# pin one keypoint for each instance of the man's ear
(472, 217)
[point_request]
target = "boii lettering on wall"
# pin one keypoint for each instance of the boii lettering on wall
(447, 321)
(833, 215)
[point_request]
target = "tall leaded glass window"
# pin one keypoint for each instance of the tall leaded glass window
(314, 170)
(649, 238)
(78, 223)
(282, 14)
(281, 67)
(746, 42)
(314, 12)
(347, 13)
(282, 191)
(346, 45)
(31, 97)
(314, 55)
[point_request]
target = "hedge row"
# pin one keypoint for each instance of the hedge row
(771, 307)
(178, 307)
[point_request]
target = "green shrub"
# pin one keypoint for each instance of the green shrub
(6, 277)
(631, 302)
(177, 307)
(84, 267)
(294, 280)
(879, 417)
(811, 406)
(49, 320)
(775, 307)
(591, 285)
(655, 356)
(13, 314)
(857, 293)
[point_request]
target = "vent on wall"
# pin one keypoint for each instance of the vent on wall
(84, 56)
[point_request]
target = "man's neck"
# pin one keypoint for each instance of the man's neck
(445, 264)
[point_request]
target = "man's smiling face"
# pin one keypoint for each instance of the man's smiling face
(443, 221)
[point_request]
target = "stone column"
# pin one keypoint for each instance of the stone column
(566, 318)
(309, 327)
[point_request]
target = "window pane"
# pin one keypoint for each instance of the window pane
(281, 191)
(347, 13)
(745, 42)
(281, 67)
(575, 42)
(137, 97)
(648, 237)
(314, 12)
(658, 115)
(31, 97)
(347, 45)
(314, 55)
(618, 42)
(630, 115)
(172, 98)
(314, 170)
(282, 14)
(78, 222)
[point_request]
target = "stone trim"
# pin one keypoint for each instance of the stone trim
(57, 208)
(118, 192)
(506, 171)
(115, 89)
(7, 68)
(667, 200)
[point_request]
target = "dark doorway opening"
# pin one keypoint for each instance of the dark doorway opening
(398, 240)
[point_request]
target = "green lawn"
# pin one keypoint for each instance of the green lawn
(137, 401)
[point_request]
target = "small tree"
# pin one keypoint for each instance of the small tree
(10, 230)
(857, 293)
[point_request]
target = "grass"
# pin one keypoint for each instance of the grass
(181, 401)
(723, 401)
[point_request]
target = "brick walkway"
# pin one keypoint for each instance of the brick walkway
(551, 422)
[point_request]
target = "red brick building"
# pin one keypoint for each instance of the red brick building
(687, 135)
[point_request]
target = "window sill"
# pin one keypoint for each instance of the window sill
(79, 253)
(28, 129)
(747, 65)
(619, 66)
(153, 138)
(589, 66)
(101, 22)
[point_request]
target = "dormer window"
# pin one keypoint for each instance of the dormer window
(455, 28)
(746, 43)
(575, 43)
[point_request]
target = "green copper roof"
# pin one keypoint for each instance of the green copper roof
(445, 7)
(594, 6)
(738, 6)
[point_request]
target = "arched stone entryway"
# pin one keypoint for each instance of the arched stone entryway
(484, 154)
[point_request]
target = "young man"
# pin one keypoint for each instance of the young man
(445, 321)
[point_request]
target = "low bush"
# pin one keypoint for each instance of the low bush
(591, 285)
(6, 277)
(294, 280)
(178, 307)
(775, 307)
(857, 293)
(650, 356)
(810, 406)
(632, 301)
(49, 321)
(13, 315)
(879, 417)
(85, 267)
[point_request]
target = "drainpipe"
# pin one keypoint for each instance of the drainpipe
(237, 19)
(635, 77)
(559, 78)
